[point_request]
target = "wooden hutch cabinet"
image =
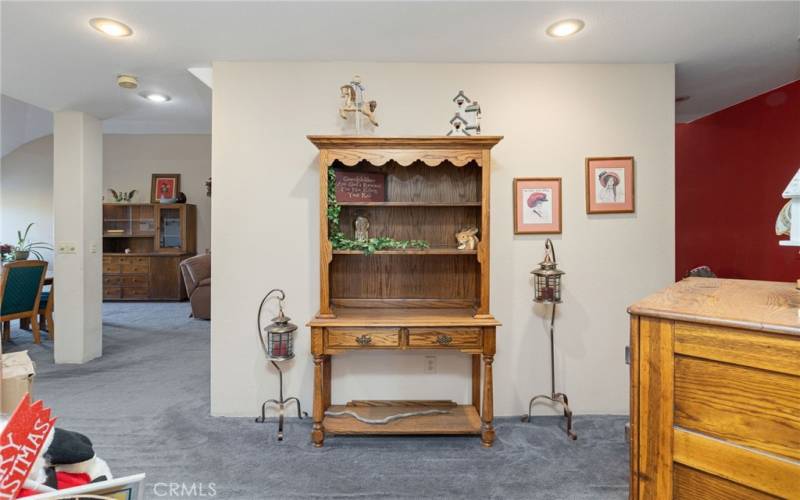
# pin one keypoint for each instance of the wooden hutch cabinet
(715, 391)
(157, 238)
(407, 299)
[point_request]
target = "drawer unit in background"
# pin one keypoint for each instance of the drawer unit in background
(143, 277)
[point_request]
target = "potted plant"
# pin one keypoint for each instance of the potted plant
(25, 248)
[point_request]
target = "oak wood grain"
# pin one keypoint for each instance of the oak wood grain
(780, 353)
(446, 338)
(755, 408)
(760, 471)
(655, 408)
(753, 305)
(692, 484)
(363, 338)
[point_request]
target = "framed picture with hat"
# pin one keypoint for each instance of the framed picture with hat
(537, 205)
(610, 185)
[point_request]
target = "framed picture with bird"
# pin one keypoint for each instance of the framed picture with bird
(537, 205)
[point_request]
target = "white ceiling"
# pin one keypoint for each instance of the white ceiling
(22, 123)
(725, 51)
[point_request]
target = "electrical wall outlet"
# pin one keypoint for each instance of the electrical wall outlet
(93, 247)
(430, 364)
(66, 247)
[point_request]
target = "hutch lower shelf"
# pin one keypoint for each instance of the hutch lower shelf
(404, 330)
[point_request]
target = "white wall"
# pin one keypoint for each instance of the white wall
(26, 178)
(26, 189)
(265, 220)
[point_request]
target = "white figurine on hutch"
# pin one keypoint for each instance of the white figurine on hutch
(467, 120)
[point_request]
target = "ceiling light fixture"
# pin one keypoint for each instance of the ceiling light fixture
(110, 27)
(127, 81)
(565, 28)
(155, 97)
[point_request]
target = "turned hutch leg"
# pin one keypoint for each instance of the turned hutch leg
(487, 429)
(476, 382)
(317, 430)
(326, 382)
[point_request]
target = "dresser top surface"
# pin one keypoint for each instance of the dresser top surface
(755, 305)
(347, 316)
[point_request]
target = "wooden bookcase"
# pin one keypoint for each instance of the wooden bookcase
(404, 299)
(158, 237)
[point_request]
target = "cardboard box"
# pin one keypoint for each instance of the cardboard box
(17, 372)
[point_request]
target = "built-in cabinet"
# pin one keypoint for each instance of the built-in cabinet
(143, 245)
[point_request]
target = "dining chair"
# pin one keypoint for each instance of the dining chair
(46, 304)
(20, 293)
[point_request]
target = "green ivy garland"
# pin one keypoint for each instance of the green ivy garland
(341, 242)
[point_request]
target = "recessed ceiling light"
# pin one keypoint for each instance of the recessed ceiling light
(565, 28)
(110, 27)
(155, 96)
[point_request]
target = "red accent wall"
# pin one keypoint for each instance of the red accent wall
(730, 170)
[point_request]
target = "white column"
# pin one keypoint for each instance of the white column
(77, 203)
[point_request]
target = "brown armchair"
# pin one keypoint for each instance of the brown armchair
(197, 276)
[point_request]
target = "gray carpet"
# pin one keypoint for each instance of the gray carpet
(145, 404)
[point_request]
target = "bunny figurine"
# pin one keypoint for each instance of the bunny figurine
(467, 239)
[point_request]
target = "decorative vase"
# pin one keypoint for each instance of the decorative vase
(21, 255)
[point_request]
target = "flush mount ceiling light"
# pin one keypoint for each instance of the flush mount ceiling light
(127, 81)
(565, 28)
(110, 27)
(155, 97)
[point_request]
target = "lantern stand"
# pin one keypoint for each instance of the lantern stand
(547, 283)
(279, 346)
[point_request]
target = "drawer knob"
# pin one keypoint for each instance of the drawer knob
(443, 339)
(364, 340)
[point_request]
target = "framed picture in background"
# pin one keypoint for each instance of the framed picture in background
(537, 205)
(610, 185)
(165, 186)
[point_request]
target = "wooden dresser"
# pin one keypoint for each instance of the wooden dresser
(143, 245)
(406, 299)
(715, 391)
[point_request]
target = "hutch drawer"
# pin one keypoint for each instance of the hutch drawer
(112, 280)
(363, 337)
(112, 292)
(136, 293)
(429, 338)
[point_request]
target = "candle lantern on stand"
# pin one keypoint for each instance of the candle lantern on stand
(277, 341)
(547, 285)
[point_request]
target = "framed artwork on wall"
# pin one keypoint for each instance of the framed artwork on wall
(537, 205)
(165, 186)
(610, 185)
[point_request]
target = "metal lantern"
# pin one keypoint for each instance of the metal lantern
(277, 341)
(278, 338)
(547, 279)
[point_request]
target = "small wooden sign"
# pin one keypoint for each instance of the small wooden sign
(20, 444)
(360, 186)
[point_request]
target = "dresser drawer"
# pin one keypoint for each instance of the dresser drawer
(135, 293)
(111, 265)
(112, 280)
(431, 338)
(751, 407)
(112, 292)
(134, 280)
(363, 337)
(135, 265)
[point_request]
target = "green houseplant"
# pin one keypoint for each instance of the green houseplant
(24, 248)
